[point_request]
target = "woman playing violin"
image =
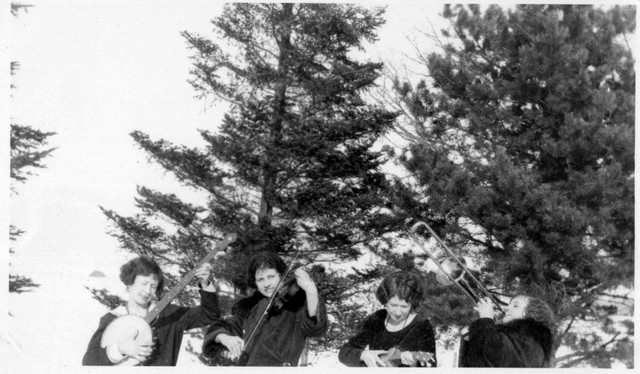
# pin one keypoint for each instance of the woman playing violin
(276, 338)
(397, 327)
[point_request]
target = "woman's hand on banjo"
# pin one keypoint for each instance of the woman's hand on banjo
(203, 273)
(131, 348)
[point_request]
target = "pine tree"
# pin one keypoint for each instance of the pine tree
(291, 167)
(26, 142)
(16, 7)
(27, 153)
(523, 139)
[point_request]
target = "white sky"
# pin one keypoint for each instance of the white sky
(93, 72)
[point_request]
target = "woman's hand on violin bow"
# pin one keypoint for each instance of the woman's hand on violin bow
(304, 281)
(308, 285)
(234, 344)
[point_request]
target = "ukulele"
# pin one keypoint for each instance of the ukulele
(392, 357)
(123, 327)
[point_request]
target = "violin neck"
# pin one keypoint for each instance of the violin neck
(267, 308)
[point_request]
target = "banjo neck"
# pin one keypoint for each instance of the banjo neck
(168, 298)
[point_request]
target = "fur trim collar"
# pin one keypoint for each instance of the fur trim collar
(535, 329)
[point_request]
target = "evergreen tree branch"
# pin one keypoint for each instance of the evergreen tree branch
(588, 354)
(16, 7)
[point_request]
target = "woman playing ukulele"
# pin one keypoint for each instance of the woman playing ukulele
(396, 328)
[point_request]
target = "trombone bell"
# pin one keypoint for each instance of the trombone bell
(453, 269)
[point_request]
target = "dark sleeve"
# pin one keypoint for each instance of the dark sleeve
(96, 355)
(231, 325)
(350, 353)
(494, 345)
(189, 318)
(316, 325)
(428, 342)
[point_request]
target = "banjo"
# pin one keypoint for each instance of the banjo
(123, 327)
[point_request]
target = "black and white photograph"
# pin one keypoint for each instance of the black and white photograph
(321, 185)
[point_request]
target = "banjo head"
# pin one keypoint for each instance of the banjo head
(123, 328)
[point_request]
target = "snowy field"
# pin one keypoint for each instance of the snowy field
(50, 326)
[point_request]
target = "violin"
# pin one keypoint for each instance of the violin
(289, 289)
(285, 292)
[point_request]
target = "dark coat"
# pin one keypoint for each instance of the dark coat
(416, 336)
(281, 337)
(519, 343)
(168, 330)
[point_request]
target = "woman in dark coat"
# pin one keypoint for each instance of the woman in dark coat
(144, 281)
(396, 328)
(280, 338)
(522, 339)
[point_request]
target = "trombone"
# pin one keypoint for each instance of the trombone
(454, 268)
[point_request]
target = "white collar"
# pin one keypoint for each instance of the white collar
(122, 309)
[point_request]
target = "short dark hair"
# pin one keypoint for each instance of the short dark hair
(405, 286)
(538, 310)
(142, 265)
(264, 260)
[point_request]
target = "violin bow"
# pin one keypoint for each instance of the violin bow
(266, 309)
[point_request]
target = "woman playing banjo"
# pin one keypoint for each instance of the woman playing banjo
(144, 280)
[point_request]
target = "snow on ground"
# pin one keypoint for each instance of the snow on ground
(51, 324)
